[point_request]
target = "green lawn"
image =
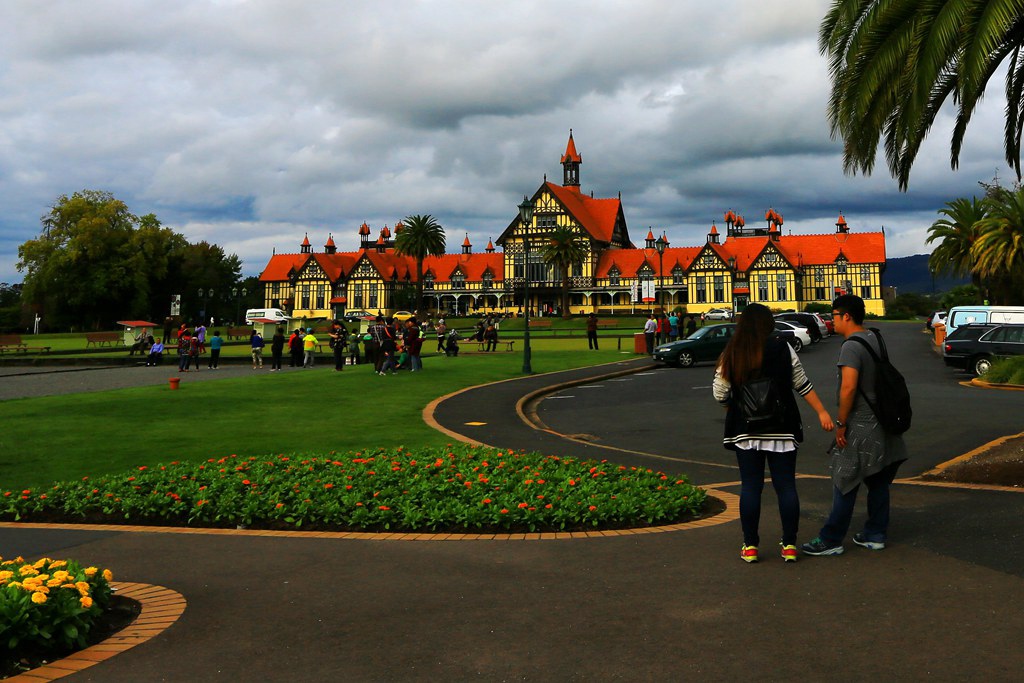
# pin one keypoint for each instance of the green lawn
(67, 437)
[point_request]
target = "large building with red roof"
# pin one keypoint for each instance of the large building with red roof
(751, 264)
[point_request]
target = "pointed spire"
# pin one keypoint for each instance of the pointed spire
(490, 246)
(306, 247)
(570, 151)
(571, 161)
(330, 247)
(467, 247)
(841, 225)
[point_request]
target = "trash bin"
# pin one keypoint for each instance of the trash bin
(639, 343)
(940, 333)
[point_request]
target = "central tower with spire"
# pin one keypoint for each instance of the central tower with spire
(571, 161)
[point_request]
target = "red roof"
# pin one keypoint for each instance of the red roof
(597, 216)
(472, 265)
(629, 261)
(281, 264)
(860, 247)
(570, 151)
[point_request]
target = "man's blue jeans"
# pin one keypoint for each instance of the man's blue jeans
(877, 525)
(783, 470)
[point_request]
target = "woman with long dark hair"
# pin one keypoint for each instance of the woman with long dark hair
(756, 377)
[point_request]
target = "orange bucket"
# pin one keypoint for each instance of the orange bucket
(174, 382)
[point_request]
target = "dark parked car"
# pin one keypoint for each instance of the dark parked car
(356, 316)
(707, 343)
(809, 320)
(974, 347)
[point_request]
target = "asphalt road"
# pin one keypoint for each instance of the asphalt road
(669, 412)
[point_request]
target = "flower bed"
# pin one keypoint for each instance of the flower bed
(453, 489)
(48, 606)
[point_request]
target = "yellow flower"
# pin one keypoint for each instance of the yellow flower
(15, 584)
(6, 574)
(86, 602)
(58, 564)
(27, 570)
(83, 588)
(61, 576)
(54, 583)
(39, 563)
(39, 598)
(108, 575)
(91, 571)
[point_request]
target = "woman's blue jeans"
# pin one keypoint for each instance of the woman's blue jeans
(783, 471)
(877, 526)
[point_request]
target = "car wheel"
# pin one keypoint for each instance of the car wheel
(796, 344)
(981, 365)
(686, 359)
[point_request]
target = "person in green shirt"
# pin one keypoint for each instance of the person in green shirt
(309, 343)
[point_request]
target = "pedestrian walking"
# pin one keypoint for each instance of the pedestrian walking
(442, 333)
(592, 332)
(650, 329)
(295, 349)
(863, 452)
(215, 343)
(756, 377)
(183, 341)
(256, 343)
(277, 343)
(309, 343)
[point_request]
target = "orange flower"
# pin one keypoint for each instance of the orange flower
(523, 505)
(592, 508)
(504, 511)
(486, 501)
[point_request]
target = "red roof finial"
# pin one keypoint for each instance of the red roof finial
(305, 240)
(650, 235)
(570, 151)
(841, 221)
(364, 229)
(714, 228)
(465, 242)
(490, 245)
(330, 240)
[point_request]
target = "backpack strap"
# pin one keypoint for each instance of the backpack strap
(874, 357)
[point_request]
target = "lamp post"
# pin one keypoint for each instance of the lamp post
(526, 217)
(238, 300)
(661, 245)
(205, 295)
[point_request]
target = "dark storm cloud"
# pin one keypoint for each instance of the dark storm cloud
(251, 123)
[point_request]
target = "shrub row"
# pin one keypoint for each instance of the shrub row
(458, 488)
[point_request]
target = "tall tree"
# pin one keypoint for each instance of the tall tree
(894, 63)
(421, 236)
(998, 251)
(77, 269)
(956, 234)
(563, 250)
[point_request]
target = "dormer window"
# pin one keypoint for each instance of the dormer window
(646, 273)
(677, 276)
(458, 280)
(488, 280)
(428, 281)
(613, 277)
(841, 267)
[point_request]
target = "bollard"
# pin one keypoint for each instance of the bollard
(174, 382)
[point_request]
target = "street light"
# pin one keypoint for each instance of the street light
(238, 300)
(205, 295)
(661, 245)
(526, 217)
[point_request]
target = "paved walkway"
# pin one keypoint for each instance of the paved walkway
(657, 607)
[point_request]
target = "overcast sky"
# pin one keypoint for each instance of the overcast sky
(249, 124)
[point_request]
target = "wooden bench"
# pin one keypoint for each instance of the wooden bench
(102, 338)
(540, 323)
(605, 323)
(481, 345)
(238, 332)
(13, 342)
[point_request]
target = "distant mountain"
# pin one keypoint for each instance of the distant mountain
(911, 274)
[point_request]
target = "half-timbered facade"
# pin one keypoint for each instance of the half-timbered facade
(755, 264)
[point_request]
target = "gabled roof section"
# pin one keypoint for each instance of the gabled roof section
(280, 265)
(596, 216)
(856, 247)
(630, 261)
(473, 265)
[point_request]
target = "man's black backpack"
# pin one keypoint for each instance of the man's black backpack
(892, 398)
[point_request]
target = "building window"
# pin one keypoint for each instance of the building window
(677, 276)
(305, 297)
(819, 293)
(547, 221)
(613, 277)
(865, 292)
(458, 281)
(780, 286)
(357, 295)
(819, 276)
(719, 288)
(373, 296)
(428, 281)
(865, 274)
(841, 268)
(488, 280)
(275, 290)
(320, 298)
(577, 270)
(762, 287)
(702, 293)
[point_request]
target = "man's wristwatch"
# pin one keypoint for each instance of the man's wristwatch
(840, 424)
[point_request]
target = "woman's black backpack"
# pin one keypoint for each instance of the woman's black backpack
(759, 402)
(892, 398)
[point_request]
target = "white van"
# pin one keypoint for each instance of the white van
(965, 315)
(263, 314)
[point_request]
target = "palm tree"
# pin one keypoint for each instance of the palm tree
(421, 236)
(956, 233)
(998, 251)
(563, 250)
(894, 63)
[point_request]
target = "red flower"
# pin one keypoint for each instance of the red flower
(592, 508)
(504, 511)
(328, 486)
(486, 501)
(572, 482)
(523, 505)
(548, 506)
(383, 507)
(246, 482)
